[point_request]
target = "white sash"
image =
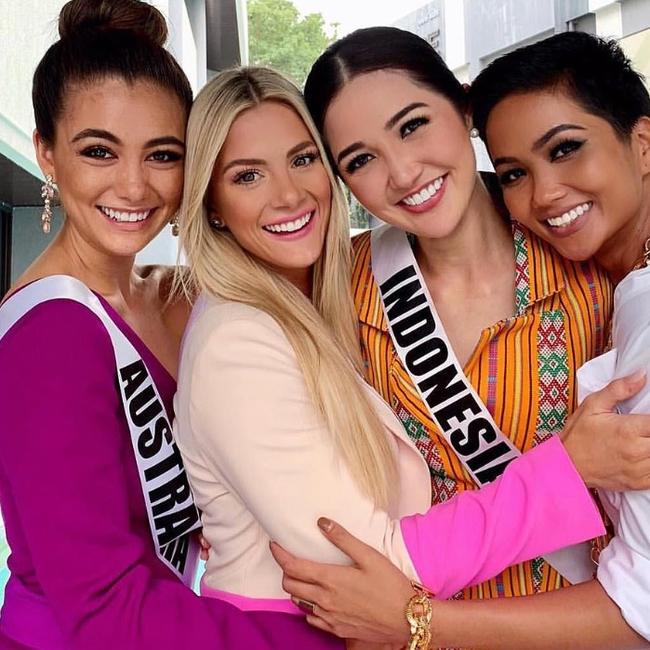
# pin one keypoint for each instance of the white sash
(168, 499)
(424, 349)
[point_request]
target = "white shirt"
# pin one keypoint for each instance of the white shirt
(624, 566)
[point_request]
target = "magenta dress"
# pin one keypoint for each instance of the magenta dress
(84, 573)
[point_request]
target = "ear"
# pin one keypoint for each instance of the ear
(641, 139)
(44, 154)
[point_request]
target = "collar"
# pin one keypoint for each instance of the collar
(539, 274)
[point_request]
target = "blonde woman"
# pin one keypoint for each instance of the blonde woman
(274, 422)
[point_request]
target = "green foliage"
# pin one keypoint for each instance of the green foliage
(280, 38)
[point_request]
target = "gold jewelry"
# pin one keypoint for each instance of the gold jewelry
(419, 613)
(644, 260)
(306, 605)
(47, 194)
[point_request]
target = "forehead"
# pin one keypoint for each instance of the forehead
(271, 127)
(368, 100)
(521, 118)
(131, 111)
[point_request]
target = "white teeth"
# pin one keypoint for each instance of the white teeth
(290, 226)
(570, 216)
(124, 217)
(425, 194)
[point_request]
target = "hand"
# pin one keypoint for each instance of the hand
(365, 601)
(610, 451)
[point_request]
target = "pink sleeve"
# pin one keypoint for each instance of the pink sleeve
(538, 505)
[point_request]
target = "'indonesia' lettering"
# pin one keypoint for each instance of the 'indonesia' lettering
(424, 348)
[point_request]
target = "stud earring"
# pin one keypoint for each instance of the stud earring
(216, 223)
(473, 132)
(174, 224)
(47, 194)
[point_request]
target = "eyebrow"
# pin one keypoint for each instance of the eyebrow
(250, 162)
(107, 135)
(389, 125)
(401, 113)
(540, 142)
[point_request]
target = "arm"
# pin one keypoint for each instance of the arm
(367, 601)
(538, 505)
(581, 617)
(65, 453)
(258, 429)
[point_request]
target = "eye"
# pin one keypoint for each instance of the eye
(358, 162)
(305, 159)
(98, 152)
(412, 125)
(166, 155)
(565, 148)
(247, 176)
(510, 176)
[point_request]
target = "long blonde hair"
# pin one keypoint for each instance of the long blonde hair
(323, 332)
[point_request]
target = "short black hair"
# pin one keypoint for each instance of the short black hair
(593, 71)
(378, 48)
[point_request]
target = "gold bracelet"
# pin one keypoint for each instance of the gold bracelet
(419, 613)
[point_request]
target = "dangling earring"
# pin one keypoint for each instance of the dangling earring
(174, 224)
(47, 194)
(473, 132)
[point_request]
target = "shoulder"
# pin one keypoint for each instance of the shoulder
(58, 343)
(233, 330)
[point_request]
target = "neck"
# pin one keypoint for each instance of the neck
(624, 250)
(109, 275)
(481, 240)
(301, 279)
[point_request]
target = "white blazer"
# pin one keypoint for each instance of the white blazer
(261, 462)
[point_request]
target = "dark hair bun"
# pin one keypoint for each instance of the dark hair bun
(79, 16)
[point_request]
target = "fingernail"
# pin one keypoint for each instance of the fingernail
(325, 524)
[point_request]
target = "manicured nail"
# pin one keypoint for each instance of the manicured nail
(325, 524)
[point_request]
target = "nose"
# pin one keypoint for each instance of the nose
(546, 189)
(131, 182)
(403, 171)
(287, 191)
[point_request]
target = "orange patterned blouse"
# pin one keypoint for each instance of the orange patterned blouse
(523, 369)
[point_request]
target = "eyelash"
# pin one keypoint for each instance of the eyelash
(308, 156)
(565, 147)
(559, 152)
(412, 125)
(406, 129)
(99, 152)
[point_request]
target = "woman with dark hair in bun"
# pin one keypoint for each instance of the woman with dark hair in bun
(98, 511)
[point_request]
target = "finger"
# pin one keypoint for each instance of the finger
(617, 391)
(294, 567)
(321, 624)
(303, 590)
(361, 554)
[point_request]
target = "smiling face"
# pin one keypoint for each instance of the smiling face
(271, 191)
(118, 162)
(568, 175)
(403, 150)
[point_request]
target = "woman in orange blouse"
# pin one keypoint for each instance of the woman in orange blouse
(519, 317)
